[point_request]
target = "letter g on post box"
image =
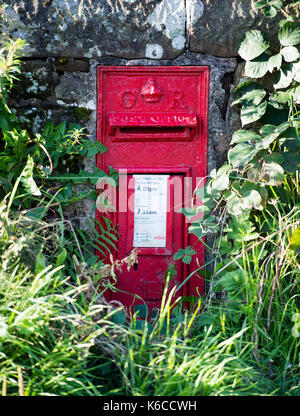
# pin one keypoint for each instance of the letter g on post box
(153, 121)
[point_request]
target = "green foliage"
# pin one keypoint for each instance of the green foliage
(47, 327)
(185, 254)
(270, 8)
(252, 206)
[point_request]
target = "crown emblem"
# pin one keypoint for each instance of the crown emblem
(151, 91)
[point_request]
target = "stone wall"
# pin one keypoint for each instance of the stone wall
(67, 39)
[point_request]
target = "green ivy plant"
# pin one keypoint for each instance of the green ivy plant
(264, 158)
(270, 8)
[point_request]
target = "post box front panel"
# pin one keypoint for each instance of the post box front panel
(153, 121)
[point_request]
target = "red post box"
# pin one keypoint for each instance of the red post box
(153, 121)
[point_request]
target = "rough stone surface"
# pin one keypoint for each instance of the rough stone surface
(218, 25)
(36, 80)
(156, 29)
(95, 28)
(75, 89)
(67, 39)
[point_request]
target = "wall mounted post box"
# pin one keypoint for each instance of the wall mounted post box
(153, 121)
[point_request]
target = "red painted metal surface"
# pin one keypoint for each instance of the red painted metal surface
(153, 121)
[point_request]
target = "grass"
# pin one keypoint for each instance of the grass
(56, 340)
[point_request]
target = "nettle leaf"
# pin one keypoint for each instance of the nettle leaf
(272, 173)
(249, 114)
(258, 67)
(248, 93)
(289, 34)
(241, 136)
(241, 154)
(290, 53)
(274, 61)
(252, 45)
(284, 77)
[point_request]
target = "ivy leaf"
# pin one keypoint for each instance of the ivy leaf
(241, 136)
(266, 141)
(290, 53)
(253, 195)
(274, 61)
(272, 173)
(291, 161)
(253, 113)
(296, 71)
(289, 34)
(290, 139)
(260, 4)
(248, 93)
(269, 11)
(274, 157)
(252, 45)
(277, 3)
(280, 97)
(273, 115)
(258, 67)
(241, 154)
(284, 77)
(267, 129)
(296, 95)
(220, 183)
(188, 212)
